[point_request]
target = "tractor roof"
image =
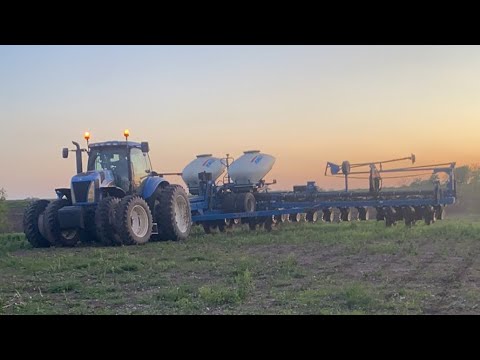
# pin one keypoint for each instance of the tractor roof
(130, 144)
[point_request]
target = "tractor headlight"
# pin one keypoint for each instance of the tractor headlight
(91, 192)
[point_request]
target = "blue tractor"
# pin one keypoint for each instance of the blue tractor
(119, 200)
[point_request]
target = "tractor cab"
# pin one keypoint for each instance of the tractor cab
(127, 162)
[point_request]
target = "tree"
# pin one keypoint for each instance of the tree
(475, 175)
(3, 209)
(463, 174)
(417, 182)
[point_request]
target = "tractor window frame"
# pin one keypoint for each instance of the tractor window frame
(140, 166)
(115, 153)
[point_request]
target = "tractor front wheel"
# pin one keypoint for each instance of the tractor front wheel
(55, 235)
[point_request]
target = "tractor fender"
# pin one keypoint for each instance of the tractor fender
(113, 191)
(150, 184)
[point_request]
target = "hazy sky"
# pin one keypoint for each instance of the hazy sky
(303, 104)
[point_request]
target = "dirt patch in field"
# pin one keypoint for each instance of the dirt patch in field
(450, 281)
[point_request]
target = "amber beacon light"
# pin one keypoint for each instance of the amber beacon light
(86, 136)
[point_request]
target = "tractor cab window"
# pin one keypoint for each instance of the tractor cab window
(140, 166)
(113, 159)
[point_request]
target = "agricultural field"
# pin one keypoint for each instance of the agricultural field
(343, 268)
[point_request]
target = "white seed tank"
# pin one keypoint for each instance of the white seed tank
(251, 167)
(203, 163)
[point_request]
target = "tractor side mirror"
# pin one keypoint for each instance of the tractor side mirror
(65, 153)
(145, 147)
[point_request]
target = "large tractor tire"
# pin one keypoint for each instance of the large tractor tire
(55, 235)
(174, 216)
(134, 220)
(105, 216)
(33, 223)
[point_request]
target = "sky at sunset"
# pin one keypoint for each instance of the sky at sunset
(305, 105)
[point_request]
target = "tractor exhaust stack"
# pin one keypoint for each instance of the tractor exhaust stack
(78, 154)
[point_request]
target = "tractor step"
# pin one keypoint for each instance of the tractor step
(154, 229)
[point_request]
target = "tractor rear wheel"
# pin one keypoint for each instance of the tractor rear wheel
(133, 220)
(105, 221)
(56, 235)
(174, 214)
(33, 223)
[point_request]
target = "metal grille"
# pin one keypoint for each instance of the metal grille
(81, 190)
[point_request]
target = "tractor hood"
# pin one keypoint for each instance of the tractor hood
(104, 177)
(85, 185)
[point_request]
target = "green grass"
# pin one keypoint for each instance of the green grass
(346, 268)
(12, 242)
